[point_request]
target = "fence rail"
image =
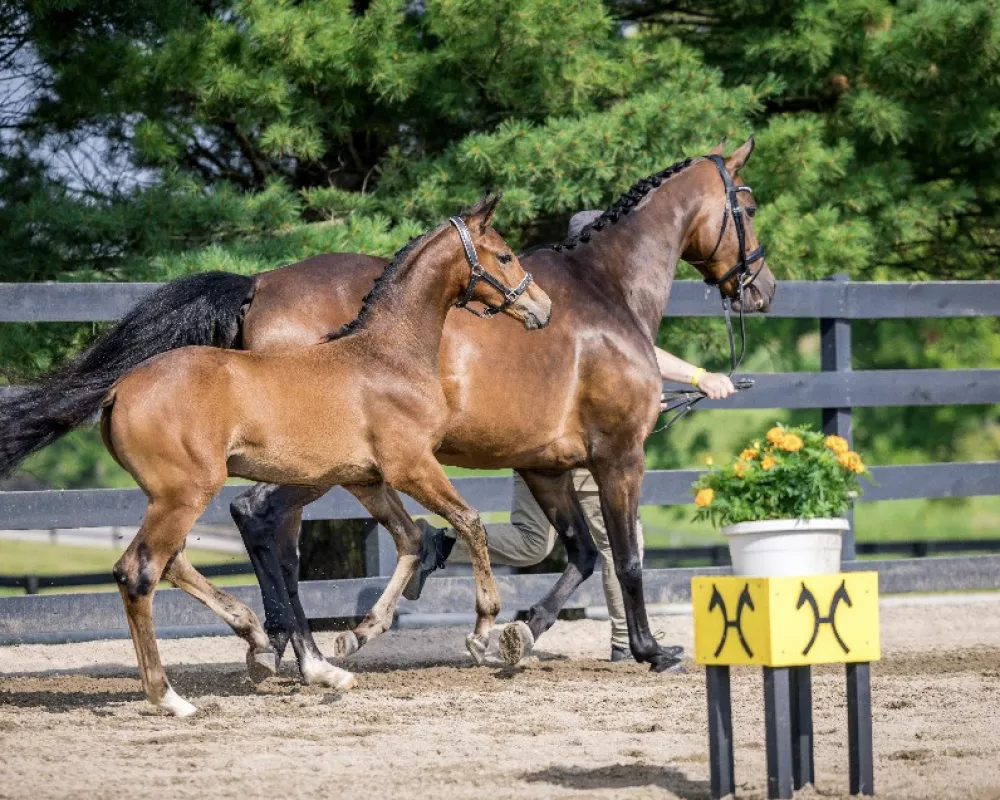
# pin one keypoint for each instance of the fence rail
(835, 390)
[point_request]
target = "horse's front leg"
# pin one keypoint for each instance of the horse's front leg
(425, 481)
(556, 497)
(619, 481)
(386, 507)
(269, 517)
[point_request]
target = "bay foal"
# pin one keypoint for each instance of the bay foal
(364, 410)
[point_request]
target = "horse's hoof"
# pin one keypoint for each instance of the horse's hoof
(516, 642)
(476, 645)
(261, 665)
(668, 659)
(345, 644)
(322, 673)
(175, 704)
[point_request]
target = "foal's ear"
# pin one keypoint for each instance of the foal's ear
(720, 148)
(738, 160)
(481, 214)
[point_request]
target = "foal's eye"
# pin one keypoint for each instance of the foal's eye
(504, 258)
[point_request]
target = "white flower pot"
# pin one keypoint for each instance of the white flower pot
(777, 548)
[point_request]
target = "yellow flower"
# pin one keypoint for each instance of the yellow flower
(790, 442)
(852, 461)
(775, 435)
(836, 443)
(704, 497)
(709, 461)
(749, 454)
(767, 463)
(740, 468)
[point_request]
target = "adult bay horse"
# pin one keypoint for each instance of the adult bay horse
(364, 410)
(586, 395)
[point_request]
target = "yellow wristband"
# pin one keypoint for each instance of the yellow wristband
(697, 376)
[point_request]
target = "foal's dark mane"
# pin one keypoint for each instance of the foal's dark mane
(623, 205)
(377, 290)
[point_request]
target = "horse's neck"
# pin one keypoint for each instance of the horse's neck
(638, 255)
(408, 317)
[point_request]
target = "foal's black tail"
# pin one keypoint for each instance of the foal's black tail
(204, 309)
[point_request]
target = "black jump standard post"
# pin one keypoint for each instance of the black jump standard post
(785, 625)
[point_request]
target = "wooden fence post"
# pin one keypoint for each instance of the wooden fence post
(835, 356)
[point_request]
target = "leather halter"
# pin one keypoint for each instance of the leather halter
(478, 273)
(734, 210)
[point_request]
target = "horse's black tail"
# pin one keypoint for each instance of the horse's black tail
(201, 309)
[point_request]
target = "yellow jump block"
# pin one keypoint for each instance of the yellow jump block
(786, 622)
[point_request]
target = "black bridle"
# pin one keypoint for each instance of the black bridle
(680, 401)
(479, 273)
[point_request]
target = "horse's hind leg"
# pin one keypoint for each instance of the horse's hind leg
(137, 572)
(385, 506)
(426, 483)
(262, 659)
(557, 498)
(269, 518)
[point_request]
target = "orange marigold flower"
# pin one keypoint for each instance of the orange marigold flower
(740, 468)
(775, 435)
(768, 463)
(791, 442)
(836, 443)
(749, 454)
(704, 497)
(852, 461)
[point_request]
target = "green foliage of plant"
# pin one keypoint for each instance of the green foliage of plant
(792, 473)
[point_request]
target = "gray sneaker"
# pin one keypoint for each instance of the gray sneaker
(434, 551)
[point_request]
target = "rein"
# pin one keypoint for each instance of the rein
(479, 273)
(680, 402)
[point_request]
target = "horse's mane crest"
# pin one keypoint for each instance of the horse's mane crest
(623, 205)
(381, 282)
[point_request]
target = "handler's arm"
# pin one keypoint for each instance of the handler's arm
(713, 384)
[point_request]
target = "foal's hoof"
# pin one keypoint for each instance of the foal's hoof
(516, 642)
(175, 704)
(322, 673)
(476, 645)
(261, 665)
(345, 644)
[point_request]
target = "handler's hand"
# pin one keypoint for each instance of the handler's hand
(716, 386)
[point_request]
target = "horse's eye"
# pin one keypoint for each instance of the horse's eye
(504, 258)
(752, 212)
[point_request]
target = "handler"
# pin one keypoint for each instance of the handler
(529, 538)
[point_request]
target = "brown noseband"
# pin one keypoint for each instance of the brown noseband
(478, 273)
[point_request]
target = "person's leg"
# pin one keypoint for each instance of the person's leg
(523, 542)
(590, 501)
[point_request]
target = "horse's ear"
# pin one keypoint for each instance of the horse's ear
(738, 160)
(720, 148)
(481, 214)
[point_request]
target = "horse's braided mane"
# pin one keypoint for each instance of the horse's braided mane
(381, 282)
(623, 205)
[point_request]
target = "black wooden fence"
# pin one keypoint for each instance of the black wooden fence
(835, 390)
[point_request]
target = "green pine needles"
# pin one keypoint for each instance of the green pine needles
(793, 473)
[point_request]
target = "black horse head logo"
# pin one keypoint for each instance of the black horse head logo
(745, 601)
(840, 596)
